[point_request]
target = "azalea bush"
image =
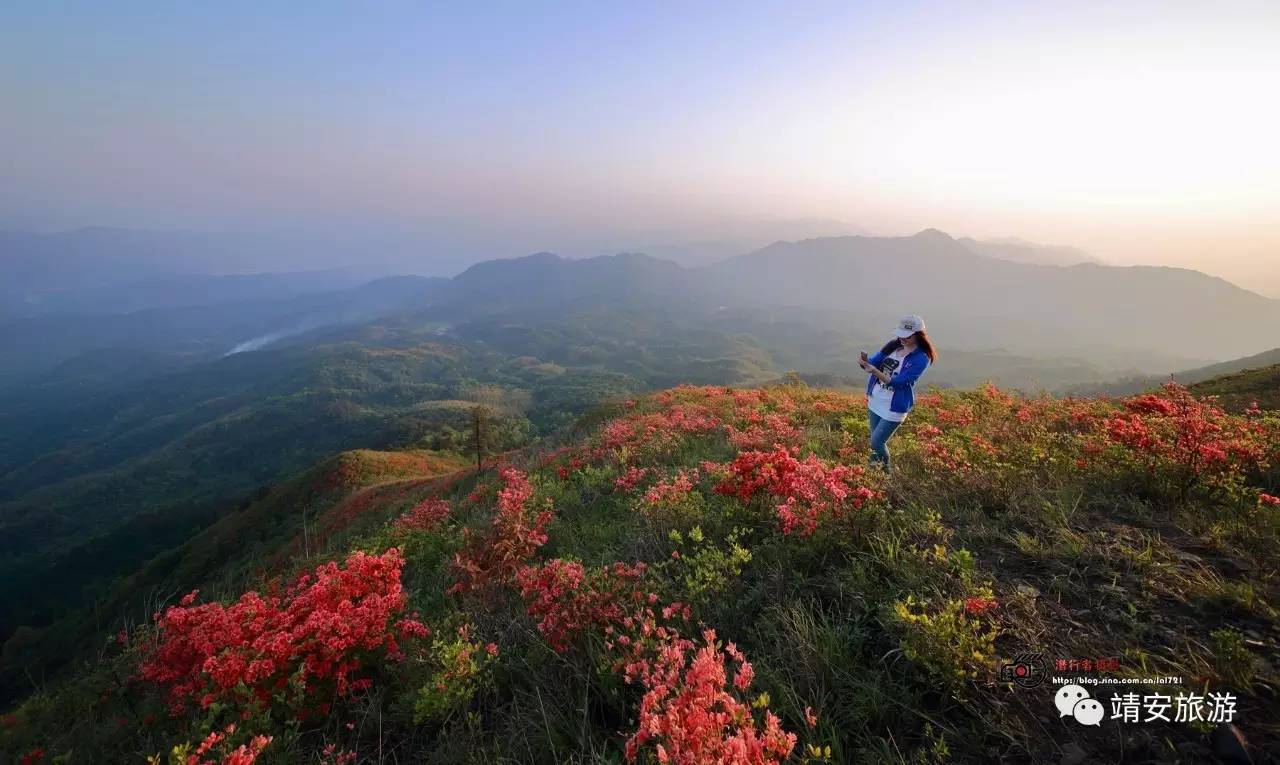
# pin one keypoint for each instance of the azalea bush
(216, 749)
(1182, 444)
(808, 491)
(693, 711)
(313, 643)
(517, 530)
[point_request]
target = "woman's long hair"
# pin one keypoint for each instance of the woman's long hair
(922, 339)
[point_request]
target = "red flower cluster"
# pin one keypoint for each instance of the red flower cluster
(690, 715)
(316, 632)
(1195, 439)
(764, 430)
(424, 516)
(661, 429)
(245, 754)
(977, 606)
(1267, 499)
(567, 600)
(811, 489)
(629, 480)
(669, 491)
(515, 535)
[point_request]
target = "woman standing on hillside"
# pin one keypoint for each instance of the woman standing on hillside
(891, 388)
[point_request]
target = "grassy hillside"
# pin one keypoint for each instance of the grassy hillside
(1206, 374)
(1240, 390)
(312, 513)
(711, 575)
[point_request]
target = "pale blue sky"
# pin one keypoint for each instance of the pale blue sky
(1141, 131)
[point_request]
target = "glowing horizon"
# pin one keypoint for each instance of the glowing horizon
(1140, 132)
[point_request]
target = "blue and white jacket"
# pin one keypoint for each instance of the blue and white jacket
(904, 382)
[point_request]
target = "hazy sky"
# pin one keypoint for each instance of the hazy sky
(1143, 132)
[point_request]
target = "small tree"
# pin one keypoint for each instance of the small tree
(492, 407)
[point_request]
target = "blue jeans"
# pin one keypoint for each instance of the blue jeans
(881, 430)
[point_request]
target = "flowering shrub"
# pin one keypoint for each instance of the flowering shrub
(979, 605)
(516, 533)
(567, 599)
(812, 491)
(425, 516)
(245, 754)
(1184, 442)
(629, 480)
(671, 491)
(332, 755)
(691, 714)
(313, 636)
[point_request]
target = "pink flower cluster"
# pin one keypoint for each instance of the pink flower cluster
(690, 713)
(314, 634)
(630, 479)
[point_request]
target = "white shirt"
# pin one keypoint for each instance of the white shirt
(881, 396)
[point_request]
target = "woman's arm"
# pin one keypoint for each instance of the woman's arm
(908, 375)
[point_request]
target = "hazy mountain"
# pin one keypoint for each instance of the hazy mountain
(110, 270)
(723, 239)
(1022, 251)
(973, 300)
(548, 281)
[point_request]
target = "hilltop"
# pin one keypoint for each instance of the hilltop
(710, 574)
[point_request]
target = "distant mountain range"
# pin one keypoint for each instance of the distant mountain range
(972, 300)
(1022, 251)
(1153, 316)
(980, 296)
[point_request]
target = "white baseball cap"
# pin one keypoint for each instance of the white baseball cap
(908, 326)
